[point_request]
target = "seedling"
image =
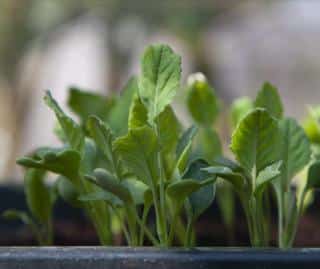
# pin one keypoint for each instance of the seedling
(128, 155)
(270, 151)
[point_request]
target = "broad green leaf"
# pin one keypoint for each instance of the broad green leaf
(102, 135)
(64, 162)
(68, 192)
(138, 151)
(108, 182)
(240, 108)
(179, 191)
(137, 190)
(72, 131)
(118, 116)
(210, 145)
(160, 78)
(200, 200)
(102, 195)
(37, 194)
(255, 141)
(266, 176)
(169, 130)
(202, 101)
(85, 103)
(295, 150)
(89, 160)
(311, 125)
(313, 180)
(235, 178)
(269, 99)
(138, 114)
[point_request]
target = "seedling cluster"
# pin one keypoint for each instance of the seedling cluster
(129, 155)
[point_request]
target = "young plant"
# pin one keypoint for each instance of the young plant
(40, 200)
(204, 107)
(128, 154)
(270, 149)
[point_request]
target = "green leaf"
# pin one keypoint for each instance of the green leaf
(89, 159)
(118, 116)
(108, 182)
(138, 151)
(266, 176)
(295, 150)
(102, 135)
(138, 114)
(102, 195)
(313, 180)
(200, 200)
(68, 192)
(37, 195)
(235, 178)
(169, 130)
(240, 108)
(268, 98)
(137, 190)
(184, 147)
(72, 131)
(311, 125)
(85, 103)
(179, 191)
(255, 142)
(63, 162)
(160, 78)
(202, 101)
(210, 145)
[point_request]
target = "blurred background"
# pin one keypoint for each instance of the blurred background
(53, 44)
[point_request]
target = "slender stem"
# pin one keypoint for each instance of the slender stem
(161, 222)
(172, 227)
(144, 219)
(147, 232)
(187, 242)
(291, 237)
(123, 226)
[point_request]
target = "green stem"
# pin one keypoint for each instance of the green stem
(147, 232)
(188, 234)
(143, 223)
(161, 222)
(123, 226)
(173, 227)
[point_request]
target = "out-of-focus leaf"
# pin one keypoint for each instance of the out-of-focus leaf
(109, 183)
(85, 103)
(202, 101)
(72, 131)
(313, 180)
(269, 99)
(68, 191)
(37, 195)
(239, 108)
(64, 162)
(118, 116)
